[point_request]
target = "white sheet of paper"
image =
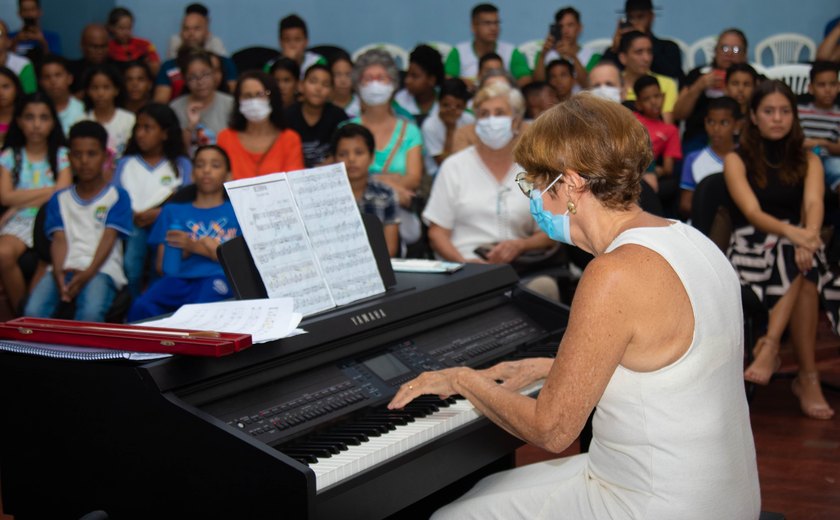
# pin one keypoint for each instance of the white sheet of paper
(276, 237)
(265, 319)
(336, 232)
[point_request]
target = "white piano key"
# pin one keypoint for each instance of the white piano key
(376, 450)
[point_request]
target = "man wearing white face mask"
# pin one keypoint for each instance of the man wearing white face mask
(473, 213)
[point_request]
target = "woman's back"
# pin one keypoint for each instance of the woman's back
(679, 437)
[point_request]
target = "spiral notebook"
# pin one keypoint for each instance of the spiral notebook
(50, 350)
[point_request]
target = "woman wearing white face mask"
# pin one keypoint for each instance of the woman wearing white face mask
(258, 140)
(474, 202)
(398, 161)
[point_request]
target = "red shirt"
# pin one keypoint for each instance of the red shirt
(664, 138)
(136, 49)
(285, 155)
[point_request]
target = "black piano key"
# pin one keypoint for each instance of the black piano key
(353, 440)
(332, 447)
(372, 432)
(303, 457)
(314, 451)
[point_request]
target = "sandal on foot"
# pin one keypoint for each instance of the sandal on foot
(815, 409)
(762, 375)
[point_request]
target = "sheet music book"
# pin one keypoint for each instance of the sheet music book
(75, 353)
(306, 236)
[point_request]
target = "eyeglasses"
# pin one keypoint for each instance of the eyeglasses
(254, 95)
(198, 78)
(527, 187)
(731, 49)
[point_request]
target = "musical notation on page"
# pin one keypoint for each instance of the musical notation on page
(306, 236)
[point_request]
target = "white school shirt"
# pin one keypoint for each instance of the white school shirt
(119, 130)
(469, 60)
(149, 185)
(434, 137)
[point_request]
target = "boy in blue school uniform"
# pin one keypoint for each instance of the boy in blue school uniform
(186, 236)
(85, 224)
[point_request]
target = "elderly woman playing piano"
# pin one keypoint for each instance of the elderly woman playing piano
(653, 344)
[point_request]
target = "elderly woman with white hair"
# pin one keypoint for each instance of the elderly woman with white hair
(398, 158)
(474, 202)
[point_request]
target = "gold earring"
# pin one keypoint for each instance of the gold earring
(572, 208)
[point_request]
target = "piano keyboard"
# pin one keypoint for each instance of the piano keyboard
(350, 449)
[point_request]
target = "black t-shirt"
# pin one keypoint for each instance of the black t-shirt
(315, 139)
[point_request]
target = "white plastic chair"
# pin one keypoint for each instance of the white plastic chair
(442, 47)
(598, 45)
(786, 48)
(795, 75)
(530, 49)
(399, 54)
(704, 46)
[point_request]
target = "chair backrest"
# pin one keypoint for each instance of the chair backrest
(399, 54)
(795, 75)
(530, 49)
(598, 45)
(442, 47)
(705, 47)
(710, 209)
(253, 58)
(786, 48)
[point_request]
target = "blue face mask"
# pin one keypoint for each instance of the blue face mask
(557, 227)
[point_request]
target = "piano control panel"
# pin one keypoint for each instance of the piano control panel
(277, 412)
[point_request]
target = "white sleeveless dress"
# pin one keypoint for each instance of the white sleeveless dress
(672, 443)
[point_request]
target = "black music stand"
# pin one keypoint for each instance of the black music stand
(243, 276)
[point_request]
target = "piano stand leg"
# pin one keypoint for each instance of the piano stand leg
(423, 509)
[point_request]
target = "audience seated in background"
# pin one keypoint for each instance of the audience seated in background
(186, 236)
(94, 44)
(425, 74)
(439, 128)
(153, 167)
(343, 95)
(139, 83)
(10, 95)
(286, 72)
(705, 83)
(639, 16)
(87, 257)
(777, 189)
(741, 80)
(31, 40)
(636, 54)
(664, 137)
(353, 145)
(197, 25)
(561, 77)
(55, 80)
(314, 118)
(203, 112)
(20, 65)
(562, 43)
(821, 120)
(33, 166)
(103, 92)
(124, 47)
(722, 116)
(474, 212)
(485, 26)
(294, 39)
(258, 140)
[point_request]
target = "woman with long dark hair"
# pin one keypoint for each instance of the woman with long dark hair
(777, 188)
(258, 140)
(33, 165)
